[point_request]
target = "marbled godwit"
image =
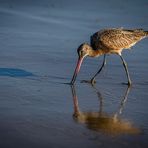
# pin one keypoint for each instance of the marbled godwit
(108, 41)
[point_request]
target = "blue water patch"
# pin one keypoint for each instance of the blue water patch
(14, 72)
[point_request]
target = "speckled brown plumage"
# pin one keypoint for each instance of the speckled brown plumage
(116, 39)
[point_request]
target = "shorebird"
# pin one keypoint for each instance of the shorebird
(108, 41)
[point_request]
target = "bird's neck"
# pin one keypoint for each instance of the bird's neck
(95, 53)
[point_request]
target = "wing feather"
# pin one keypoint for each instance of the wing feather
(116, 38)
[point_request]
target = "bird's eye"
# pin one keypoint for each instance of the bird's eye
(81, 53)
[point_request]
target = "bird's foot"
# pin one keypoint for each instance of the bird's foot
(70, 83)
(85, 81)
(92, 81)
(128, 83)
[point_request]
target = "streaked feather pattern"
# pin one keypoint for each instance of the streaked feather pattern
(116, 38)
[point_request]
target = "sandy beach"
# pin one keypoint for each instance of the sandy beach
(38, 42)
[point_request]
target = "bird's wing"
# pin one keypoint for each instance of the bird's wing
(116, 38)
(95, 40)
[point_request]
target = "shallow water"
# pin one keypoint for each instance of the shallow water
(38, 42)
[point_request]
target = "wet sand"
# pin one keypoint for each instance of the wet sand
(38, 41)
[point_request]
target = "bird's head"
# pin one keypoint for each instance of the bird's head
(83, 51)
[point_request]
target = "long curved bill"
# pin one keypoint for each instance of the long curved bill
(77, 69)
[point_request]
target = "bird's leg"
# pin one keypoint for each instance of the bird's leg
(92, 81)
(103, 64)
(126, 69)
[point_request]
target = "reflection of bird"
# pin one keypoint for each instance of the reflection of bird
(108, 41)
(101, 121)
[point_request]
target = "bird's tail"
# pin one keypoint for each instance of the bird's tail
(141, 31)
(146, 32)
